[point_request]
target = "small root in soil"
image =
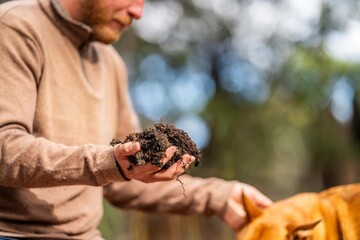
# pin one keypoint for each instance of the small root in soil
(182, 184)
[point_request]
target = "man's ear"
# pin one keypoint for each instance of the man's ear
(251, 210)
(304, 230)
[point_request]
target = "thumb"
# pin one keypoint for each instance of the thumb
(127, 149)
(235, 215)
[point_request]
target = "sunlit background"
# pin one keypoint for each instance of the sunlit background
(267, 89)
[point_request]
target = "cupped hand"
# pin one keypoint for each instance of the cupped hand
(148, 172)
(235, 215)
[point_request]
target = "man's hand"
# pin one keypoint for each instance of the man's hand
(235, 215)
(148, 172)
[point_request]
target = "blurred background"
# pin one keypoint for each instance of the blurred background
(266, 88)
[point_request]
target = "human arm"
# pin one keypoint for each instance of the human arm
(27, 157)
(189, 195)
(193, 195)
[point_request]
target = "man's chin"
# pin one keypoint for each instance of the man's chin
(107, 37)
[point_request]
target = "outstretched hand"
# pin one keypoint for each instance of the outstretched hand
(235, 215)
(148, 172)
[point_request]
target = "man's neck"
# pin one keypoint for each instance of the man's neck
(73, 8)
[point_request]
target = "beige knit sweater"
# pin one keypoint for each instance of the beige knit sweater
(62, 99)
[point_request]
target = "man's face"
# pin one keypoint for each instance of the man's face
(109, 18)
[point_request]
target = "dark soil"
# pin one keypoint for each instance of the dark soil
(154, 141)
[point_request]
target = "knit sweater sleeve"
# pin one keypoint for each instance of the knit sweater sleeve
(192, 195)
(27, 160)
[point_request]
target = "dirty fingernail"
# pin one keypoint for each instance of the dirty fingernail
(170, 151)
(134, 146)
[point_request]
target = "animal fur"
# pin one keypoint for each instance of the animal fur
(333, 214)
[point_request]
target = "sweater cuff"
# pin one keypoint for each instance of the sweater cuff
(219, 198)
(109, 171)
(121, 171)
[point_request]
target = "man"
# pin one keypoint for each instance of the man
(63, 97)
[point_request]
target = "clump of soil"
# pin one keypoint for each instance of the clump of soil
(154, 141)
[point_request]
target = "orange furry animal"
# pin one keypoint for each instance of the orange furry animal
(333, 214)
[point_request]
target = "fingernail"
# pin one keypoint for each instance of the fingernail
(172, 149)
(134, 146)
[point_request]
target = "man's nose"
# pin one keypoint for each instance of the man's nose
(136, 9)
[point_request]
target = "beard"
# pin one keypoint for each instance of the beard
(106, 26)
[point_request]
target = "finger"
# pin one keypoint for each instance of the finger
(127, 149)
(257, 197)
(186, 160)
(183, 164)
(169, 152)
(263, 201)
(168, 174)
(174, 171)
(191, 160)
(235, 215)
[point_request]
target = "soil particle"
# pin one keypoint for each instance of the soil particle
(154, 141)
